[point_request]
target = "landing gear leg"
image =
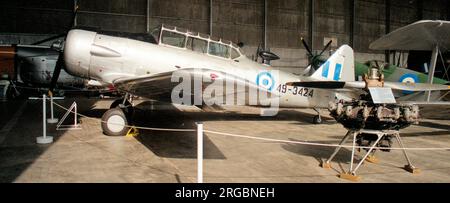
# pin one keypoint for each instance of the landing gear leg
(125, 104)
(317, 119)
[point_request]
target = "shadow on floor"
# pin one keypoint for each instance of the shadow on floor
(19, 149)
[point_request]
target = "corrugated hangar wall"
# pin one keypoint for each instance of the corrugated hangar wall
(354, 22)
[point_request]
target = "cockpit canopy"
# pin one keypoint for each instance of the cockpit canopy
(197, 42)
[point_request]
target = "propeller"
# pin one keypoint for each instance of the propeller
(49, 39)
(314, 59)
(326, 47)
(306, 46)
(60, 48)
(59, 65)
(72, 23)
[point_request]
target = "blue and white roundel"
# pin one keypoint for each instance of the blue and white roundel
(265, 80)
(409, 78)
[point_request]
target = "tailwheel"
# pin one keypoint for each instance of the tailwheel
(317, 119)
(114, 122)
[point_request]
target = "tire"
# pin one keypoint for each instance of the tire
(114, 123)
(317, 120)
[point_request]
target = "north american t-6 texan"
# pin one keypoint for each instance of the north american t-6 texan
(152, 66)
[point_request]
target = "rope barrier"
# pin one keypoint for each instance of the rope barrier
(65, 90)
(321, 144)
(129, 126)
(266, 139)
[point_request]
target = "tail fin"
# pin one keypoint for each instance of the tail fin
(339, 67)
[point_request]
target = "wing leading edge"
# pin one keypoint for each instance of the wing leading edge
(160, 86)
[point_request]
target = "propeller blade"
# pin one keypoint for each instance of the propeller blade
(415, 87)
(74, 16)
(326, 47)
(59, 65)
(49, 39)
(72, 23)
(306, 47)
(307, 70)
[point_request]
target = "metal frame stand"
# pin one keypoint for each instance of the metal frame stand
(199, 152)
(52, 120)
(44, 139)
(75, 126)
(351, 174)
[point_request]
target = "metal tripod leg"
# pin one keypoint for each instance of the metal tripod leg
(326, 164)
(353, 171)
(353, 150)
(350, 176)
(410, 167)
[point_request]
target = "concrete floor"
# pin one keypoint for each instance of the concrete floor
(89, 156)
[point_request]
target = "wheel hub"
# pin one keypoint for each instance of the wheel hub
(115, 123)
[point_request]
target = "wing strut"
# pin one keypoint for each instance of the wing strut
(433, 62)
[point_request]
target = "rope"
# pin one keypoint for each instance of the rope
(65, 90)
(129, 126)
(321, 144)
(266, 139)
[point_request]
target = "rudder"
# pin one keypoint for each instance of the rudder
(339, 67)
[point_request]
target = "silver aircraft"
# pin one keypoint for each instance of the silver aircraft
(149, 66)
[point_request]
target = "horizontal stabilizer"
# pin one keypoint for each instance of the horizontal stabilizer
(417, 87)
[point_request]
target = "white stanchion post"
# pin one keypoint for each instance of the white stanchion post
(52, 120)
(44, 139)
(199, 152)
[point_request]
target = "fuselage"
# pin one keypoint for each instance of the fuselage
(35, 66)
(108, 58)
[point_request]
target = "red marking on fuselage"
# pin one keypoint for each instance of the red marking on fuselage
(213, 76)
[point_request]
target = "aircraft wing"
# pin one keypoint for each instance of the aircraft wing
(420, 36)
(424, 103)
(159, 86)
(420, 98)
(151, 87)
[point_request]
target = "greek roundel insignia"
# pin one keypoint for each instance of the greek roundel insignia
(265, 80)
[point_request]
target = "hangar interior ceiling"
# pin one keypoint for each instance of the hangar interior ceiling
(276, 24)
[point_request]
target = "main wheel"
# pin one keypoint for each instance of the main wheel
(114, 122)
(317, 119)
